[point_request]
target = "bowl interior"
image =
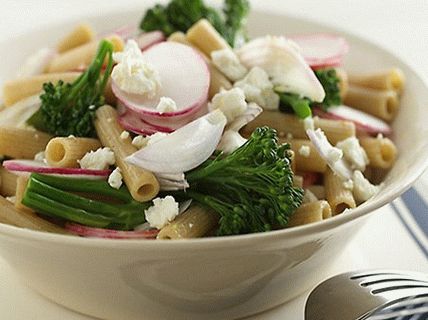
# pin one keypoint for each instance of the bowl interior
(410, 129)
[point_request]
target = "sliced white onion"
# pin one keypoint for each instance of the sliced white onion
(184, 149)
(326, 151)
(282, 61)
(36, 63)
(18, 114)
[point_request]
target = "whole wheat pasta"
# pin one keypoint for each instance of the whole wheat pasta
(311, 162)
(337, 195)
(217, 79)
(204, 36)
(18, 89)
(193, 223)
(383, 104)
(292, 160)
(81, 34)
(343, 82)
(22, 143)
(297, 181)
(82, 56)
(65, 151)
(381, 152)
(286, 123)
(8, 182)
(21, 186)
(25, 219)
(317, 190)
(390, 79)
(142, 184)
(309, 213)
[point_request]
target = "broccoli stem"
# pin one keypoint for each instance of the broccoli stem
(300, 106)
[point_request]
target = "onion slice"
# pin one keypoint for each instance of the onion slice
(18, 114)
(326, 150)
(109, 233)
(282, 61)
(184, 149)
(33, 166)
(321, 49)
(364, 122)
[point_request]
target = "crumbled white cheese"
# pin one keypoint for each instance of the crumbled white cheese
(228, 63)
(231, 102)
(11, 199)
(124, 135)
(40, 156)
(258, 88)
(140, 142)
(379, 136)
(363, 189)
(305, 151)
(100, 159)
(162, 212)
(348, 184)
(115, 178)
(308, 123)
(133, 74)
(166, 105)
(353, 153)
(230, 141)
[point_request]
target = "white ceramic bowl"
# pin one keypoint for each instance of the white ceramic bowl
(214, 278)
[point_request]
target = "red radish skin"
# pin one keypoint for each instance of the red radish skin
(33, 166)
(148, 39)
(132, 122)
(85, 231)
(310, 178)
(365, 124)
(321, 49)
(184, 76)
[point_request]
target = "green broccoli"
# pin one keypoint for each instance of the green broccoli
(69, 109)
(330, 82)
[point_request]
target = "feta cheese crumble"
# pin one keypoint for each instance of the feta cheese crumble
(363, 189)
(166, 105)
(353, 153)
(309, 123)
(133, 74)
(139, 142)
(124, 135)
(228, 63)
(40, 156)
(100, 159)
(163, 211)
(258, 88)
(305, 151)
(231, 102)
(115, 179)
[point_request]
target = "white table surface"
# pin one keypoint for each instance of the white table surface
(385, 242)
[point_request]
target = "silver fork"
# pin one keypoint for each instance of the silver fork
(359, 295)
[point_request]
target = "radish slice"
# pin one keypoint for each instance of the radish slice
(321, 49)
(33, 166)
(184, 76)
(148, 39)
(365, 123)
(282, 61)
(184, 149)
(333, 156)
(109, 233)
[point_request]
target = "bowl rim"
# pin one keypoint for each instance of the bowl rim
(207, 242)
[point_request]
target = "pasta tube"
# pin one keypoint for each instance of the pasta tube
(343, 82)
(297, 181)
(22, 143)
(218, 80)
(379, 103)
(391, 79)
(309, 213)
(206, 38)
(81, 34)
(317, 190)
(81, 56)
(193, 223)
(8, 182)
(337, 195)
(21, 186)
(289, 124)
(18, 89)
(306, 156)
(64, 152)
(25, 219)
(381, 152)
(142, 184)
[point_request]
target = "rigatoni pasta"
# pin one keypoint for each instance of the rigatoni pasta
(309, 213)
(338, 196)
(204, 36)
(22, 143)
(390, 79)
(306, 157)
(66, 151)
(81, 34)
(8, 182)
(381, 151)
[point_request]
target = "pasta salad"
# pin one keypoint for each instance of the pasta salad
(185, 127)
